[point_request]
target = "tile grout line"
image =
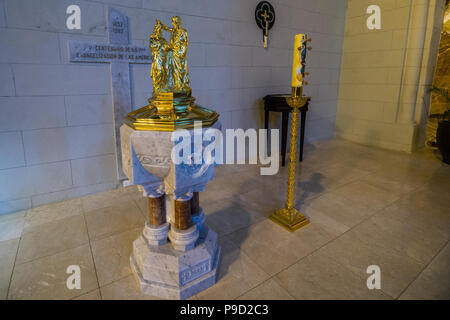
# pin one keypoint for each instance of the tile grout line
(265, 218)
(424, 268)
(73, 298)
(52, 254)
(40, 225)
(13, 269)
(260, 284)
(362, 221)
(312, 252)
(353, 227)
(248, 226)
(92, 253)
(114, 281)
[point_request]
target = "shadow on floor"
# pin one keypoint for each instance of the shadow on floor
(309, 187)
(229, 219)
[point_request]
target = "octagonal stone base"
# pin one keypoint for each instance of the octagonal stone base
(165, 272)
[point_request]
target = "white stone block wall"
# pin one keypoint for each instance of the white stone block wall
(382, 93)
(56, 131)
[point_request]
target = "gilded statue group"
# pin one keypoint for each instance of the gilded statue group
(169, 67)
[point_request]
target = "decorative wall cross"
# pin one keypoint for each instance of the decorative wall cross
(265, 18)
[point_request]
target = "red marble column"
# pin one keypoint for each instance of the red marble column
(182, 214)
(157, 211)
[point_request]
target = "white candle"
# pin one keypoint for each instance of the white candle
(298, 64)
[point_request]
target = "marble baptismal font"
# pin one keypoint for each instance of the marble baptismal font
(176, 256)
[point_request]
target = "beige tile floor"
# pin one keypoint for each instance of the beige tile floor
(367, 207)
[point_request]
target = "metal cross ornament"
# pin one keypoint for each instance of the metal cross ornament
(265, 18)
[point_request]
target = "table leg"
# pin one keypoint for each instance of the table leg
(266, 122)
(284, 127)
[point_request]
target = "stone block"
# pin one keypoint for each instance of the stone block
(198, 7)
(94, 170)
(12, 150)
(196, 55)
(128, 3)
(228, 10)
(314, 60)
(226, 55)
(6, 81)
(246, 34)
(22, 182)
(245, 119)
(27, 113)
(280, 77)
(46, 145)
(50, 177)
(142, 83)
(334, 25)
(273, 57)
(251, 77)
(2, 14)
(14, 184)
(225, 120)
(168, 273)
(27, 46)
(70, 193)
(50, 15)
(207, 30)
(390, 58)
(231, 10)
(142, 21)
(327, 92)
(139, 99)
(320, 129)
(311, 91)
(356, 25)
(280, 37)
(254, 97)
(399, 39)
(395, 19)
(64, 39)
(222, 100)
(331, 60)
(72, 79)
(322, 109)
(321, 41)
(286, 16)
(210, 78)
(14, 205)
(146, 159)
(332, 8)
(358, 8)
(88, 109)
(368, 42)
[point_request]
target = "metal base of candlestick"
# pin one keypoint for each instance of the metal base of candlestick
(290, 219)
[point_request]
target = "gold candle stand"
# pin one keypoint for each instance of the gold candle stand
(289, 217)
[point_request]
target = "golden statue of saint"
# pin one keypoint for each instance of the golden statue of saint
(171, 105)
(169, 67)
(158, 47)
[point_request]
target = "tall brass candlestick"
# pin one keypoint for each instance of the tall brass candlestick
(289, 217)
